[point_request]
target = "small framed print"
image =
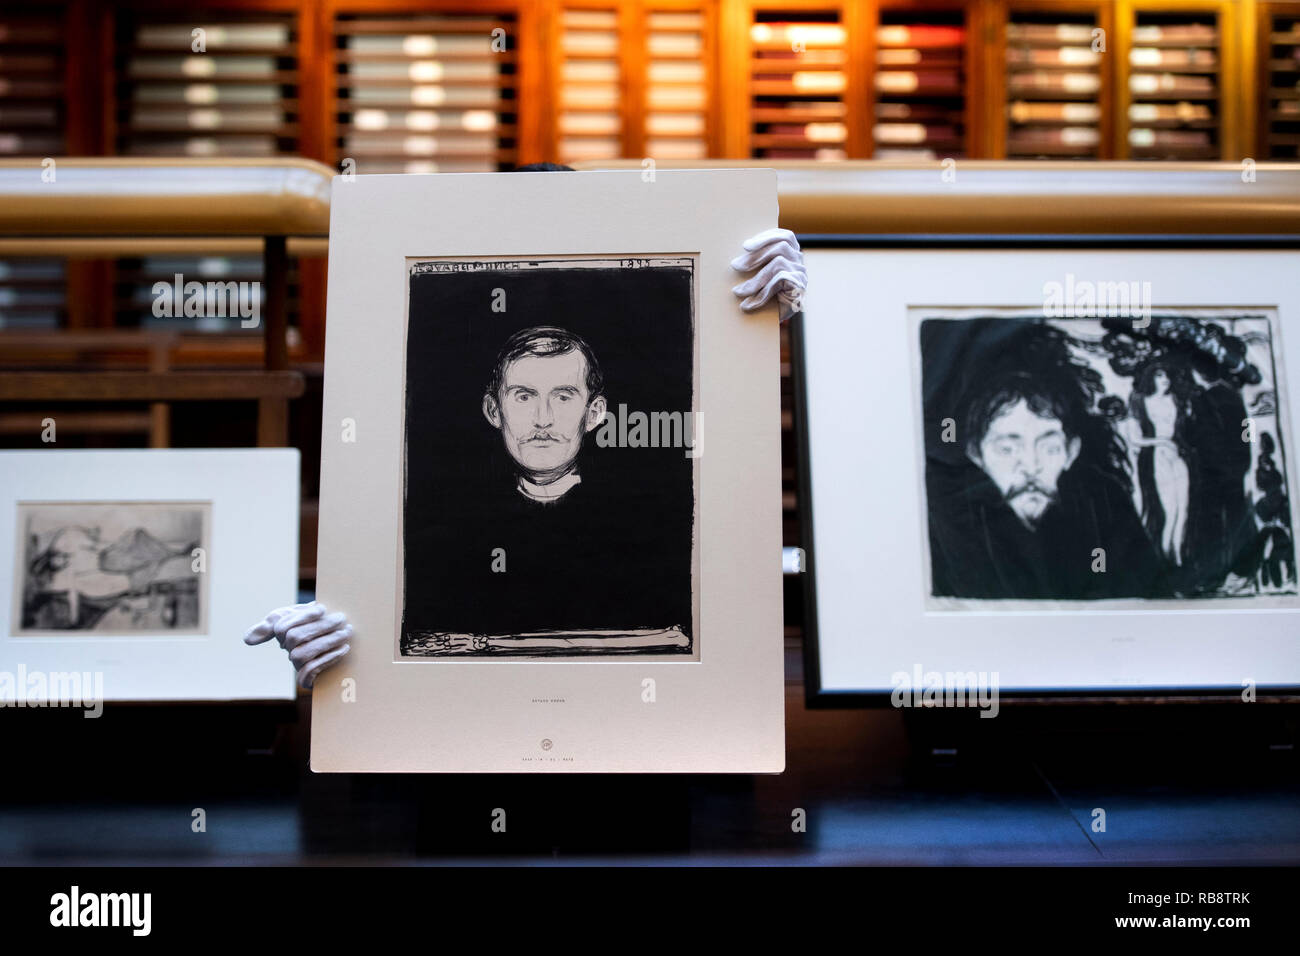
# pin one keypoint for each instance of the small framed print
(120, 567)
(139, 569)
(549, 561)
(1071, 472)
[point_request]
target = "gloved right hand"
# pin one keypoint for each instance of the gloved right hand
(314, 638)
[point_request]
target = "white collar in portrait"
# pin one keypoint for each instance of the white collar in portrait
(548, 493)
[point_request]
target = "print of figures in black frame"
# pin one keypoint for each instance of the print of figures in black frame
(527, 532)
(1090, 459)
(112, 568)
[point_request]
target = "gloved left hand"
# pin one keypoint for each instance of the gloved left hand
(314, 638)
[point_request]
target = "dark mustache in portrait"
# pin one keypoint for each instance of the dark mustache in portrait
(518, 521)
(1043, 483)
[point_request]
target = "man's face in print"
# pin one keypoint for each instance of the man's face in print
(543, 410)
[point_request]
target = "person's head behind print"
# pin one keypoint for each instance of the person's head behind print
(545, 394)
(1023, 431)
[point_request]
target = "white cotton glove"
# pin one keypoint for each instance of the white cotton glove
(314, 638)
(775, 254)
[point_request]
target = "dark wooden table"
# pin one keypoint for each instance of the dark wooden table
(1188, 787)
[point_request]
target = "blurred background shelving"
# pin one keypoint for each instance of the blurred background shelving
(628, 78)
(1056, 82)
(225, 86)
(33, 120)
(920, 83)
(221, 88)
(1176, 104)
(1279, 31)
(678, 48)
(426, 94)
(798, 81)
(588, 119)
(32, 94)
(387, 86)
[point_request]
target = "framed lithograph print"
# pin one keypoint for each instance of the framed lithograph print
(1072, 472)
(543, 568)
(135, 571)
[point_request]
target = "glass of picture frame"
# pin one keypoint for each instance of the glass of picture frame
(1055, 463)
